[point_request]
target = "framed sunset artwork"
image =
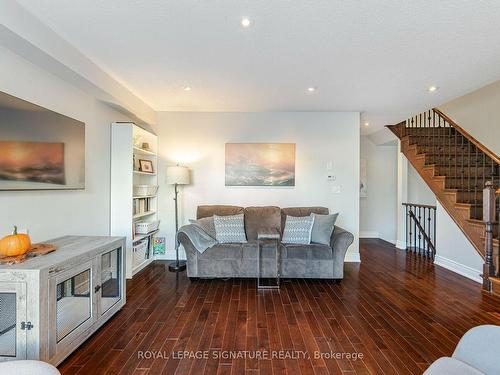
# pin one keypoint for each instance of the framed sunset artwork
(260, 164)
(32, 161)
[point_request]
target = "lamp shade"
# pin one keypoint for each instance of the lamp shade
(178, 175)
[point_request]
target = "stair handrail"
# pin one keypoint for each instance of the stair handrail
(468, 136)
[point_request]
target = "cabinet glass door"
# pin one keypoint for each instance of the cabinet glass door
(8, 320)
(110, 279)
(13, 320)
(74, 305)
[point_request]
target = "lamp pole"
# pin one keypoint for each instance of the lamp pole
(178, 265)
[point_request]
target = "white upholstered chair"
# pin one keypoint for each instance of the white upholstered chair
(477, 353)
(27, 368)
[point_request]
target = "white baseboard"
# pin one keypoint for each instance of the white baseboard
(352, 258)
(400, 245)
(459, 268)
(368, 234)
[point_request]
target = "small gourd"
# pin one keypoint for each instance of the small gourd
(15, 244)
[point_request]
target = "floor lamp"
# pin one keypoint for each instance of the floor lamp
(177, 176)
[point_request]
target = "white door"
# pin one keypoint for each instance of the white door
(13, 324)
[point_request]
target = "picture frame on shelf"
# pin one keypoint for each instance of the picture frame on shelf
(146, 166)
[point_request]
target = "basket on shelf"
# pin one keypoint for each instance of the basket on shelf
(144, 227)
(145, 190)
(140, 252)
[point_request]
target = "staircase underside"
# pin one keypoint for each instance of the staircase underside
(463, 206)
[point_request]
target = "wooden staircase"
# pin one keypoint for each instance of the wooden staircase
(457, 168)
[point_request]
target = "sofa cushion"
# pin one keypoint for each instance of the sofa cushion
(230, 229)
(301, 211)
(227, 251)
(268, 249)
(217, 209)
(261, 217)
(298, 230)
(307, 252)
(323, 228)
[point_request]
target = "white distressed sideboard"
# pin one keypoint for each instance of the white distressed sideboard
(49, 305)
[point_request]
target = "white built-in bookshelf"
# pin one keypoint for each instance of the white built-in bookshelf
(130, 205)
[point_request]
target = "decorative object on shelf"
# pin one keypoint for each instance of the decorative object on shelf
(15, 244)
(260, 164)
(145, 147)
(177, 176)
(145, 190)
(146, 166)
(159, 245)
(145, 227)
(35, 250)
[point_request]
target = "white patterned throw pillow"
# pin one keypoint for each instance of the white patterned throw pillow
(230, 229)
(298, 230)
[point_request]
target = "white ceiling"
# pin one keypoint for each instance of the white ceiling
(377, 57)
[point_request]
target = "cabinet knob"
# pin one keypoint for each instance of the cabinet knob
(97, 288)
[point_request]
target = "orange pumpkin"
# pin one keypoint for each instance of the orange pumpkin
(15, 244)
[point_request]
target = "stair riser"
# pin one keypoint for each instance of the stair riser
(466, 171)
(441, 149)
(452, 161)
(464, 184)
(430, 132)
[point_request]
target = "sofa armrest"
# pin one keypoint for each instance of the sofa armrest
(191, 254)
(340, 242)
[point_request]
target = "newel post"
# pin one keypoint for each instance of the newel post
(489, 212)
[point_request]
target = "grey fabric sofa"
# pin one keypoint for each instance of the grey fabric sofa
(240, 260)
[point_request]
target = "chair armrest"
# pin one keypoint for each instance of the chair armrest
(479, 348)
(340, 242)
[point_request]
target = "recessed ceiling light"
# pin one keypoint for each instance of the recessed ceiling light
(432, 88)
(367, 123)
(187, 88)
(245, 22)
(311, 89)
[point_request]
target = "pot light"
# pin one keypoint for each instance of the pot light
(367, 124)
(311, 89)
(187, 88)
(245, 22)
(432, 88)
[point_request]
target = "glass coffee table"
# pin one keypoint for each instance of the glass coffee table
(268, 234)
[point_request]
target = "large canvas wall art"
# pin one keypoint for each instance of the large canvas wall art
(260, 164)
(39, 149)
(32, 161)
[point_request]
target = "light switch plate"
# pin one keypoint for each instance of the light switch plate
(329, 165)
(331, 177)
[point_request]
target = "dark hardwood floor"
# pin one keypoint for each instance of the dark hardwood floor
(398, 311)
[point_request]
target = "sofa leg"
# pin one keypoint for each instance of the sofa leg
(193, 279)
(337, 281)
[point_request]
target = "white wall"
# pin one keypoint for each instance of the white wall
(48, 214)
(479, 114)
(378, 210)
(418, 191)
(453, 249)
(197, 140)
